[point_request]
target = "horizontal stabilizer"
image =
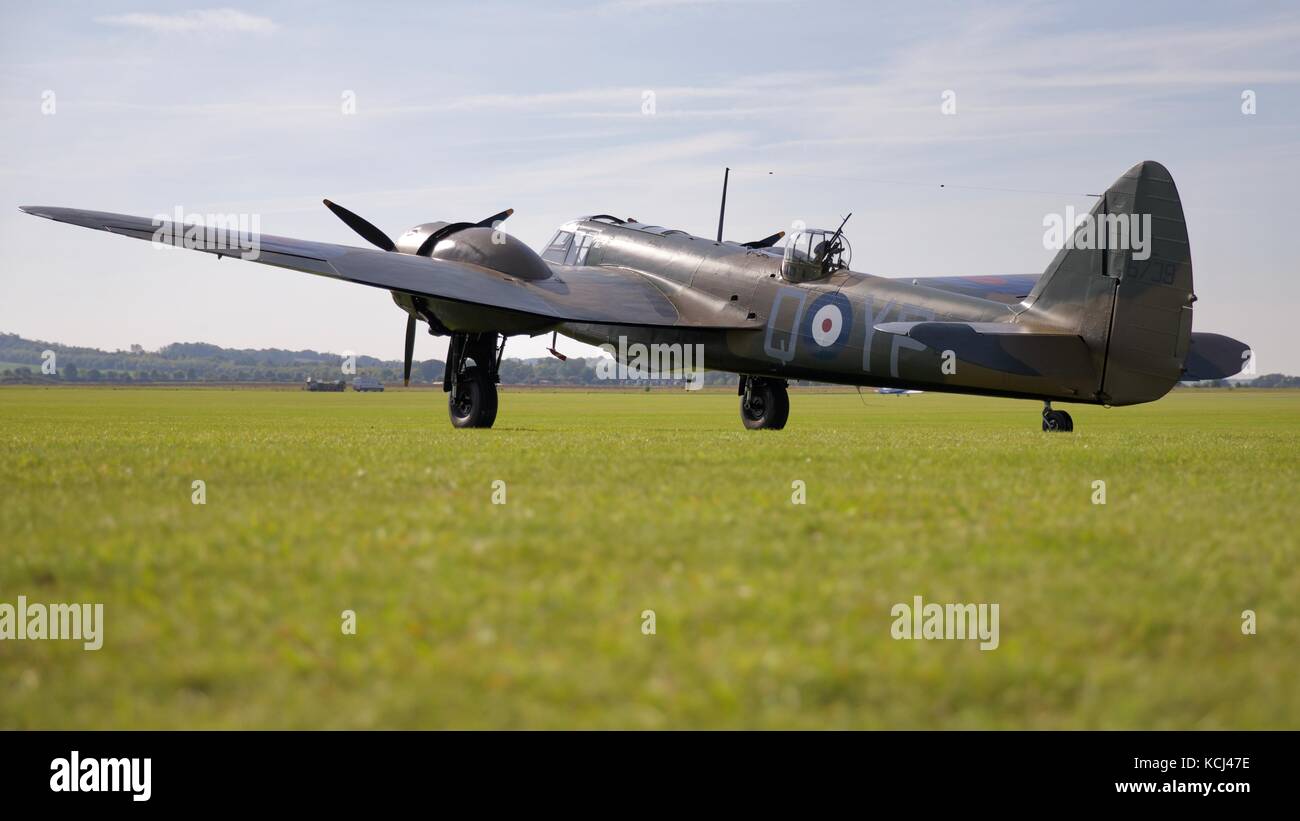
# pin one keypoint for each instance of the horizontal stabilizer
(1002, 346)
(1214, 356)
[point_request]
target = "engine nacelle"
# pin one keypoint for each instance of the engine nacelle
(486, 247)
(411, 241)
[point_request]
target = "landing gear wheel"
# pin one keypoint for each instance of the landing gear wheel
(473, 403)
(765, 405)
(1057, 421)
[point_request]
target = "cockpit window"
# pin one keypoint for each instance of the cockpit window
(577, 254)
(815, 253)
(559, 247)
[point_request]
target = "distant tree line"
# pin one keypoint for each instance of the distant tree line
(1268, 380)
(22, 359)
(180, 362)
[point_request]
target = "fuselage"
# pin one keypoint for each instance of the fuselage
(823, 330)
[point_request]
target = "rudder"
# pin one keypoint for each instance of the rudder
(1124, 284)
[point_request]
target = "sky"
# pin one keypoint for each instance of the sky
(409, 113)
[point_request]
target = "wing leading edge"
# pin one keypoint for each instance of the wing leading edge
(587, 295)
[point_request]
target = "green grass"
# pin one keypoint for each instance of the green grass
(528, 614)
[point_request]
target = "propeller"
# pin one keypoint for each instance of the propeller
(491, 221)
(765, 242)
(410, 349)
(380, 240)
(366, 229)
(447, 230)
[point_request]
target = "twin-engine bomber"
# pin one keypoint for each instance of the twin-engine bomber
(1104, 324)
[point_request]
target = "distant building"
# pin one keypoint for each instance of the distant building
(318, 385)
(367, 383)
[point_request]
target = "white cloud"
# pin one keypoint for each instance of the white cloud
(197, 20)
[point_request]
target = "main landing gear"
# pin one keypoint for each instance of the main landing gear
(472, 388)
(764, 403)
(1056, 420)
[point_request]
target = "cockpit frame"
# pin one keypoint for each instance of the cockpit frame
(815, 253)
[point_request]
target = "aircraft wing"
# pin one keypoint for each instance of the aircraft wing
(589, 295)
(1009, 288)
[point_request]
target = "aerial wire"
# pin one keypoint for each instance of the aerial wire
(912, 184)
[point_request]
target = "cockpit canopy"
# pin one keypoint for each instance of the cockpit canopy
(570, 246)
(813, 253)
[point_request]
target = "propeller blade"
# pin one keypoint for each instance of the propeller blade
(426, 247)
(368, 232)
(438, 236)
(491, 221)
(765, 242)
(410, 349)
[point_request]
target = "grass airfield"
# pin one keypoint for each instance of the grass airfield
(528, 614)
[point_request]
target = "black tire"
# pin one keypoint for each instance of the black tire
(473, 403)
(1057, 421)
(768, 408)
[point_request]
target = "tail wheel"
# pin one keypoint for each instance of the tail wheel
(765, 405)
(1057, 421)
(473, 403)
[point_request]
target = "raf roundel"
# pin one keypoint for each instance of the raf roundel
(827, 324)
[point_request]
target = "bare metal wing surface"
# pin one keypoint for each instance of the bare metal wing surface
(588, 295)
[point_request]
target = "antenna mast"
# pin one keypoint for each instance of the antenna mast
(722, 214)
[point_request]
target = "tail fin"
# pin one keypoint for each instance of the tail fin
(1123, 282)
